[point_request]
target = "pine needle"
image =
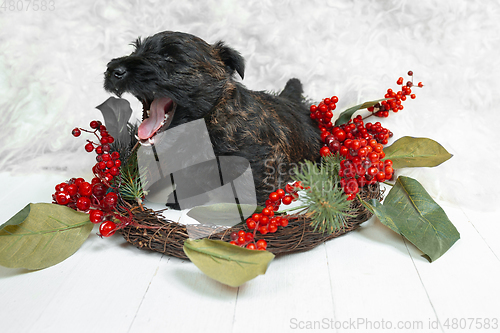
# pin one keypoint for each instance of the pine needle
(328, 205)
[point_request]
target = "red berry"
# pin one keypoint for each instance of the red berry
(241, 233)
(283, 221)
(256, 217)
(98, 150)
(251, 246)
(94, 124)
(111, 199)
(261, 244)
(400, 81)
(240, 240)
(334, 99)
(268, 211)
(287, 200)
(89, 147)
(251, 224)
(96, 216)
(61, 187)
(85, 189)
(281, 193)
(118, 163)
(340, 135)
(263, 230)
(234, 236)
(373, 156)
(72, 189)
(372, 171)
(107, 228)
(63, 198)
(351, 187)
(381, 176)
(248, 236)
(324, 151)
(410, 73)
(420, 84)
(76, 132)
(83, 204)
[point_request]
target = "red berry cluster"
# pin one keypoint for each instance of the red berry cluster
(95, 198)
(362, 147)
(323, 112)
(266, 221)
(395, 99)
(107, 166)
(81, 195)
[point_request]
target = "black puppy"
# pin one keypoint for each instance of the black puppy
(180, 78)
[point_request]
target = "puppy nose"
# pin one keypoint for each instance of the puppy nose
(119, 72)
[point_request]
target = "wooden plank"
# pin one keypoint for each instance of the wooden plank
(463, 283)
(487, 225)
(180, 298)
(375, 284)
(296, 287)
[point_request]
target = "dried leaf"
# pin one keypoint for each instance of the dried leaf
(227, 263)
(42, 235)
(410, 152)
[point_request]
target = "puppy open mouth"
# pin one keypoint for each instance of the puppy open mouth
(159, 114)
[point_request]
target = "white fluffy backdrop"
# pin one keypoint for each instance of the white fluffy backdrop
(52, 64)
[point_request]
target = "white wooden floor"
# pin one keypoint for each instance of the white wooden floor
(368, 280)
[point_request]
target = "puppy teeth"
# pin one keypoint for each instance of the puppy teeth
(145, 143)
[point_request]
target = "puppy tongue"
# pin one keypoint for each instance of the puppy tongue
(157, 111)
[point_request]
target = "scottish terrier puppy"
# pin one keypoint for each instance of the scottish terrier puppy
(180, 78)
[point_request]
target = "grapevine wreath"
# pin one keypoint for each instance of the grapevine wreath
(355, 160)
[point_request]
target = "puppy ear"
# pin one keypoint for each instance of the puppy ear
(231, 58)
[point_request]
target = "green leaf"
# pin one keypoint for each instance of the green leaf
(416, 152)
(42, 235)
(227, 263)
(409, 210)
(347, 114)
(225, 214)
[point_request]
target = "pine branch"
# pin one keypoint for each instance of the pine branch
(328, 205)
